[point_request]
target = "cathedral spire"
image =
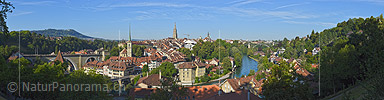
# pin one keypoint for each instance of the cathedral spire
(175, 32)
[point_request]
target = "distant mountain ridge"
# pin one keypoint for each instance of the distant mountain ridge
(62, 32)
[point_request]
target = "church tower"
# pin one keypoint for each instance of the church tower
(129, 43)
(175, 32)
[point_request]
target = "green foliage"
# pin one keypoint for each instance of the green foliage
(116, 51)
(358, 57)
(6, 8)
(136, 79)
(169, 91)
(30, 42)
(218, 49)
(61, 32)
(167, 69)
(138, 51)
(145, 68)
(281, 85)
(227, 64)
(187, 52)
(251, 72)
(48, 73)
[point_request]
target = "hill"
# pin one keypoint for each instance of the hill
(62, 32)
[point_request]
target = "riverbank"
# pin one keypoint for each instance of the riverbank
(248, 63)
(215, 80)
(253, 58)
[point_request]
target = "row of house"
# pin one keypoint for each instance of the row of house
(231, 89)
(117, 66)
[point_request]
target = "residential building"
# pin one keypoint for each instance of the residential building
(213, 61)
(201, 92)
(315, 51)
(150, 81)
(189, 44)
(189, 70)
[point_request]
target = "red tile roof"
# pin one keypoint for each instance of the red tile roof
(191, 65)
(152, 80)
(59, 57)
(141, 92)
(238, 95)
(202, 92)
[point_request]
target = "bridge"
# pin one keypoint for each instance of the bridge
(76, 60)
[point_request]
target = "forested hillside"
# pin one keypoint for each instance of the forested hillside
(61, 32)
(351, 54)
(31, 42)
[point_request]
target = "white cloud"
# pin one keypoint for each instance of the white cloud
(34, 3)
(21, 13)
(149, 4)
(210, 11)
(243, 2)
(290, 5)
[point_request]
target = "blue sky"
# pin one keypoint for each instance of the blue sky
(235, 19)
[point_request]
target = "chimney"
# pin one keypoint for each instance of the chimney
(159, 74)
(239, 82)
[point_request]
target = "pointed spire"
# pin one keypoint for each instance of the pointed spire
(130, 32)
(59, 57)
(175, 32)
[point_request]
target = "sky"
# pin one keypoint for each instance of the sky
(154, 19)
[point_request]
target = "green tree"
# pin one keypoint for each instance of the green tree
(227, 64)
(167, 69)
(6, 8)
(281, 85)
(169, 91)
(251, 72)
(145, 68)
(187, 52)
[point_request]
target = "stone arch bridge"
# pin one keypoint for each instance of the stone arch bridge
(77, 60)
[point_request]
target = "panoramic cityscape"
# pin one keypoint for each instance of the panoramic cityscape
(191, 50)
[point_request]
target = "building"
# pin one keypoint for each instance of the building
(189, 70)
(117, 66)
(141, 93)
(201, 92)
(208, 38)
(129, 43)
(280, 51)
(233, 85)
(189, 44)
(315, 51)
(123, 53)
(15, 56)
(174, 32)
(150, 81)
(103, 52)
(213, 61)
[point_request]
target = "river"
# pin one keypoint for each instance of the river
(246, 65)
